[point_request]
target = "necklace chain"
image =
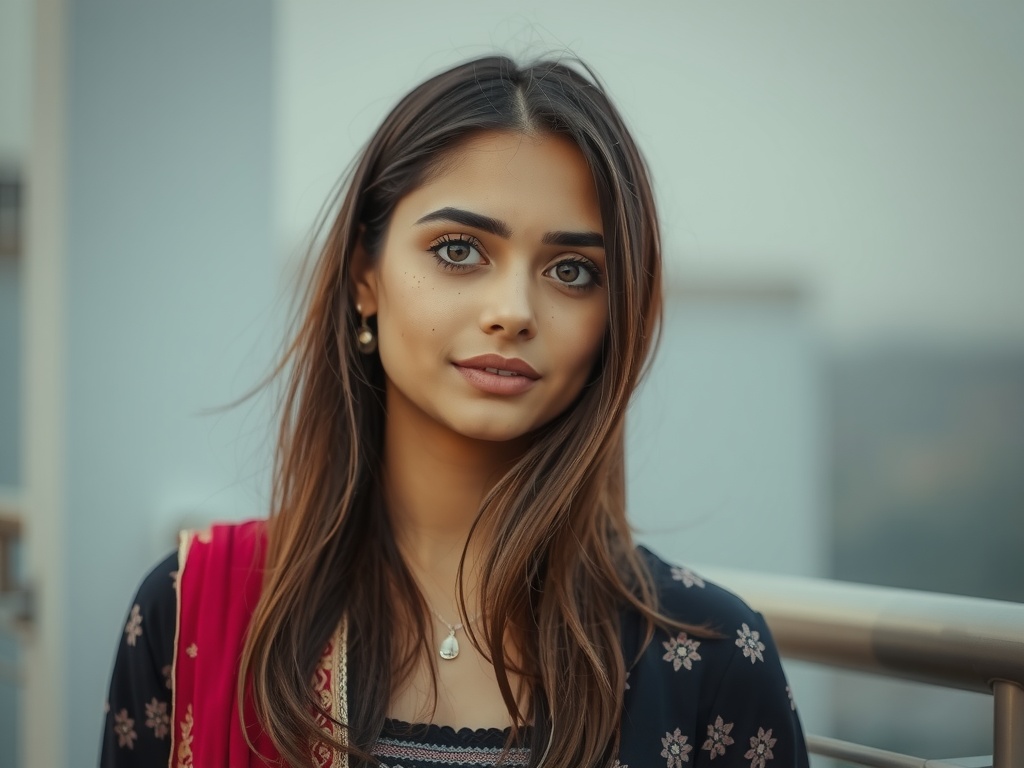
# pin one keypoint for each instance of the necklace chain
(453, 628)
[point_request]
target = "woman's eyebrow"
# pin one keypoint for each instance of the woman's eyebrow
(575, 239)
(501, 229)
(469, 219)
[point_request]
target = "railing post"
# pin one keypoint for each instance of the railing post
(1008, 743)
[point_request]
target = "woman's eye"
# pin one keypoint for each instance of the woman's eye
(457, 253)
(574, 274)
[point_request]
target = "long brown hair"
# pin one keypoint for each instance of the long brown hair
(560, 564)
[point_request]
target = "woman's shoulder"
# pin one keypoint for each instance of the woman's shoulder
(686, 596)
(151, 617)
(158, 585)
(713, 683)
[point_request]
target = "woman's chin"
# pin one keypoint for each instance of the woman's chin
(492, 433)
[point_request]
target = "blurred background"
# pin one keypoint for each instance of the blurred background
(840, 386)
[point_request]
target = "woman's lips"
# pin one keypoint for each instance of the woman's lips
(495, 383)
(497, 375)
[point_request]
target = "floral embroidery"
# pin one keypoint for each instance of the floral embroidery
(718, 738)
(792, 701)
(681, 651)
(749, 641)
(760, 748)
(124, 727)
(192, 651)
(627, 688)
(329, 681)
(688, 577)
(185, 745)
(322, 755)
(676, 751)
(619, 765)
(166, 671)
(133, 629)
(157, 718)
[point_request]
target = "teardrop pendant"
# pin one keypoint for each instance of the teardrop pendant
(449, 647)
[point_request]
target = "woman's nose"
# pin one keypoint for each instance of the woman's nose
(508, 306)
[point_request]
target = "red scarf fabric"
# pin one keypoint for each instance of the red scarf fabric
(219, 581)
(220, 574)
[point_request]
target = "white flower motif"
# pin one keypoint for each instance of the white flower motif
(157, 718)
(133, 629)
(627, 688)
(124, 727)
(192, 651)
(676, 751)
(167, 671)
(688, 577)
(681, 651)
(760, 748)
(619, 765)
(718, 738)
(749, 641)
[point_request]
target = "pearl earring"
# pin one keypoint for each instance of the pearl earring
(366, 341)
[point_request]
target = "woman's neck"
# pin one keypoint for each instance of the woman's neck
(434, 482)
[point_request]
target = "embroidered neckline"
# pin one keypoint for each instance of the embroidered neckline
(447, 735)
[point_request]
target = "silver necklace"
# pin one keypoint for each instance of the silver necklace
(450, 646)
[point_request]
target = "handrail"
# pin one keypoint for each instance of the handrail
(973, 644)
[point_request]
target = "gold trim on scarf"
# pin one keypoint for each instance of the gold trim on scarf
(184, 542)
(330, 681)
(341, 681)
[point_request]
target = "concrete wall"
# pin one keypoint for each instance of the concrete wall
(170, 286)
(15, 102)
(15, 79)
(10, 371)
(726, 437)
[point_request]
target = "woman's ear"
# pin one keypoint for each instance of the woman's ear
(363, 278)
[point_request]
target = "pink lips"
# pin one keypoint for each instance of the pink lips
(497, 375)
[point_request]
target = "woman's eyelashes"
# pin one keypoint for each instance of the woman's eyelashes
(461, 252)
(457, 251)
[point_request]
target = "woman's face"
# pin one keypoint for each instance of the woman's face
(490, 289)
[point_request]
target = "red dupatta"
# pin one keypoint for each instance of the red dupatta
(220, 576)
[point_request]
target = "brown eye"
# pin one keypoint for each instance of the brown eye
(572, 273)
(457, 252)
(568, 273)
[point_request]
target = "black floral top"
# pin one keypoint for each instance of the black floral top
(717, 702)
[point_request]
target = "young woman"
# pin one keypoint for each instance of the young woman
(447, 576)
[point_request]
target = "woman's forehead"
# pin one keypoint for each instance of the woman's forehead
(528, 181)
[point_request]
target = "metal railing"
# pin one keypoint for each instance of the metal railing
(972, 644)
